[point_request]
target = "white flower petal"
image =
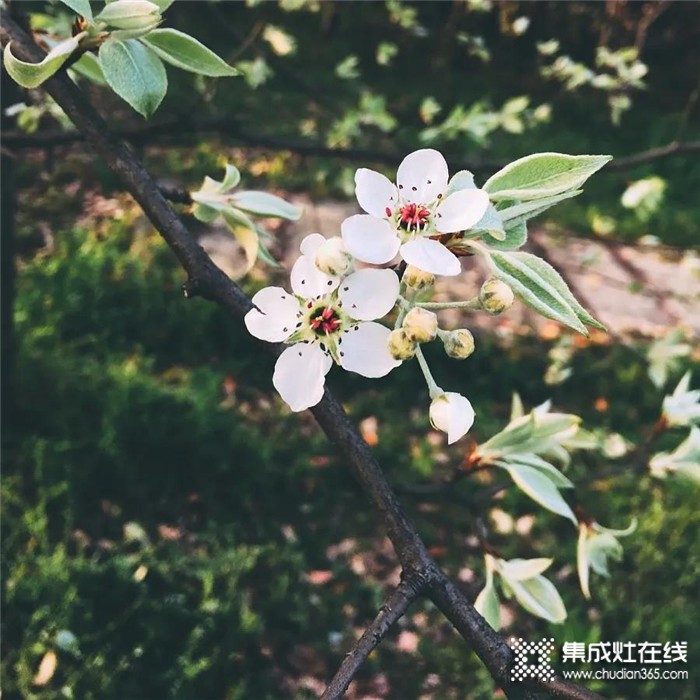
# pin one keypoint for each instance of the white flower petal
(275, 316)
(422, 176)
(430, 256)
(299, 375)
(370, 239)
(366, 350)
(453, 414)
(311, 244)
(369, 294)
(308, 281)
(461, 210)
(375, 192)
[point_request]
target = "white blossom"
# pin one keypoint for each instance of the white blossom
(327, 319)
(453, 414)
(409, 217)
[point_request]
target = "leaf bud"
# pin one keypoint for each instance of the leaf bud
(416, 278)
(458, 343)
(420, 325)
(130, 14)
(496, 296)
(332, 258)
(400, 346)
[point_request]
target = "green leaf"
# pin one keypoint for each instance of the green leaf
(515, 236)
(541, 287)
(80, 7)
(135, 73)
(205, 213)
(542, 175)
(244, 231)
(488, 605)
(490, 223)
(31, 75)
(265, 255)
(521, 569)
(516, 407)
(461, 180)
(184, 51)
(163, 5)
(527, 210)
(582, 563)
(130, 15)
(539, 597)
(89, 67)
(541, 489)
(550, 471)
(232, 177)
(265, 204)
(602, 547)
(235, 217)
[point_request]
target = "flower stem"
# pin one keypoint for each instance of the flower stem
(433, 387)
(437, 305)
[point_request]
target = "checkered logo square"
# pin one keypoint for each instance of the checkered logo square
(526, 653)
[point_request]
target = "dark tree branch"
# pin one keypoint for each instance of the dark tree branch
(410, 588)
(207, 280)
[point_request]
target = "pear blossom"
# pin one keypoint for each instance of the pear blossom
(410, 217)
(453, 414)
(326, 319)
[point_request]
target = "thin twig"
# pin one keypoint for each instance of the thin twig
(226, 127)
(393, 609)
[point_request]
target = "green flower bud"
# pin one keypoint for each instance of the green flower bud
(130, 14)
(420, 325)
(332, 257)
(416, 278)
(459, 343)
(401, 346)
(496, 296)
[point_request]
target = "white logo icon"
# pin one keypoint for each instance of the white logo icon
(532, 659)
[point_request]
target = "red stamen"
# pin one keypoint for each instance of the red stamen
(414, 216)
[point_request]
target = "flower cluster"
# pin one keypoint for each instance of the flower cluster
(385, 261)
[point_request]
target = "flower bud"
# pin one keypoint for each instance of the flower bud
(130, 14)
(459, 344)
(453, 414)
(496, 296)
(332, 258)
(420, 325)
(416, 278)
(400, 346)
